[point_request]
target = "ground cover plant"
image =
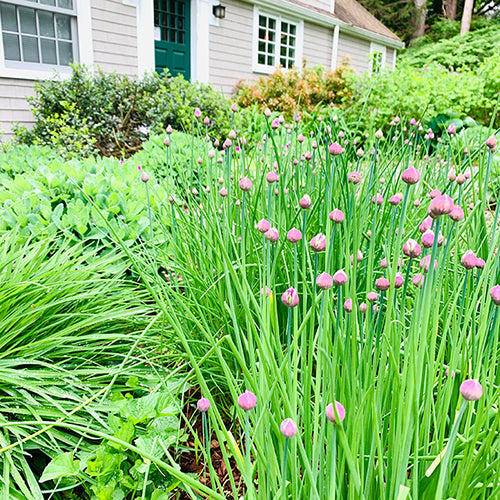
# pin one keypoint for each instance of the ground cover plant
(338, 306)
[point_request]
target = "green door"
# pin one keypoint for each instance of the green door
(172, 37)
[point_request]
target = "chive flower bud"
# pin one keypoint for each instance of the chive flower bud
(330, 414)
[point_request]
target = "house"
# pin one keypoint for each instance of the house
(203, 41)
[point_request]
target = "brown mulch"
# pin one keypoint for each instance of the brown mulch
(193, 461)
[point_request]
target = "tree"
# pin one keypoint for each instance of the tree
(466, 16)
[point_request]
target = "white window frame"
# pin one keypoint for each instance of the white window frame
(377, 47)
(83, 51)
(299, 38)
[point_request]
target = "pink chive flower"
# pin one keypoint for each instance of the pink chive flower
(434, 193)
(234, 107)
(471, 390)
(441, 205)
(354, 178)
(457, 214)
(359, 257)
(324, 281)
(318, 243)
(336, 216)
(290, 298)
(245, 184)
(330, 413)
(426, 225)
(305, 202)
(383, 263)
(272, 177)
(469, 260)
(495, 294)
(382, 284)
(428, 239)
(266, 290)
(412, 249)
(363, 307)
(335, 149)
(247, 401)
(144, 177)
(452, 129)
(223, 192)
(394, 200)
(491, 143)
(203, 405)
(378, 199)
(288, 428)
(272, 235)
(348, 305)
(425, 263)
(447, 373)
(197, 113)
(294, 235)
(418, 280)
(398, 280)
(340, 278)
(480, 263)
(300, 138)
(461, 179)
(263, 225)
(410, 176)
(372, 297)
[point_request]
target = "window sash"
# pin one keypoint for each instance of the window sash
(40, 6)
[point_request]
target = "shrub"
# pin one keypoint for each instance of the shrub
(290, 90)
(112, 115)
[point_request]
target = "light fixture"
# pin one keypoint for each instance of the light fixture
(219, 11)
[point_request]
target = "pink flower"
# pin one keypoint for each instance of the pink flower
(348, 305)
(294, 235)
(372, 296)
(223, 192)
(394, 200)
(410, 176)
(305, 202)
(354, 178)
(144, 177)
(412, 249)
(425, 262)
(203, 405)
(245, 184)
(471, 390)
(340, 278)
(272, 177)
(378, 199)
(336, 216)
(318, 243)
(272, 235)
(265, 290)
(324, 281)
(495, 294)
(491, 143)
(169, 129)
(434, 193)
(469, 260)
(398, 280)
(330, 413)
(263, 225)
(452, 129)
(363, 307)
(290, 298)
(426, 225)
(457, 214)
(382, 284)
(288, 428)
(197, 113)
(335, 149)
(428, 239)
(234, 107)
(300, 138)
(418, 280)
(247, 401)
(441, 205)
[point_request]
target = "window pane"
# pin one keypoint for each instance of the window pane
(11, 47)
(65, 4)
(46, 24)
(262, 21)
(30, 49)
(270, 60)
(283, 62)
(63, 27)
(283, 51)
(262, 46)
(181, 36)
(48, 2)
(27, 17)
(261, 59)
(291, 54)
(272, 36)
(65, 53)
(9, 18)
(291, 41)
(272, 23)
(284, 27)
(292, 29)
(48, 51)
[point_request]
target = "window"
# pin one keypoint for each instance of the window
(278, 42)
(38, 34)
(377, 58)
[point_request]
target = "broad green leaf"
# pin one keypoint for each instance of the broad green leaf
(63, 465)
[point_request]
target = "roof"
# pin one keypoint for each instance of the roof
(354, 14)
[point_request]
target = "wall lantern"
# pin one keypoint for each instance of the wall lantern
(219, 11)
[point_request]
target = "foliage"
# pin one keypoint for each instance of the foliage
(112, 114)
(460, 52)
(43, 196)
(290, 91)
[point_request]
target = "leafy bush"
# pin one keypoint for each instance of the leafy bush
(112, 115)
(288, 91)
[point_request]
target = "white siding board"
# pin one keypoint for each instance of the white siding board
(389, 58)
(13, 104)
(231, 47)
(114, 36)
(356, 50)
(318, 41)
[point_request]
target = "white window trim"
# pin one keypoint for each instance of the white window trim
(83, 44)
(264, 68)
(376, 47)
